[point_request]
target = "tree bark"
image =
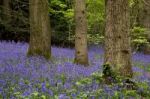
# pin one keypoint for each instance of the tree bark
(40, 34)
(81, 53)
(117, 37)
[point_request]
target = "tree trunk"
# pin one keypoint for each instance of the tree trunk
(40, 35)
(81, 53)
(117, 37)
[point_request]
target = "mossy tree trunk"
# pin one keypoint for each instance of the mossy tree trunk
(40, 33)
(81, 53)
(117, 37)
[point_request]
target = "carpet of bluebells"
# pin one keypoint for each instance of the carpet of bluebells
(23, 77)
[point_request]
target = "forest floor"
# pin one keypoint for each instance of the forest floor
(23, 77)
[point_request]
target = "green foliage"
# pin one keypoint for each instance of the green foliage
(84, 81)
(107, 71)
(61, 14)
(136, 90)
(97, 76)
(95, 38)
(139, 37)
(63, 78)
(143, 89)
(16, 27)
(62, 20)
(135, 7)
(147, 68)
(95, 13)
(117, 90)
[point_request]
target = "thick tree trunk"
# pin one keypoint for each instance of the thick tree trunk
(81, 53)
(40, 35)
(117, 37)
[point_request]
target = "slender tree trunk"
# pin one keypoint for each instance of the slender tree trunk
(81, 53)
(40, 35)
(117, 37)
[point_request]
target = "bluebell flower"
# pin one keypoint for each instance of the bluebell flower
(63, 96)
(50, 92)
(15, 68)
(26, 93)
(43, 86)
